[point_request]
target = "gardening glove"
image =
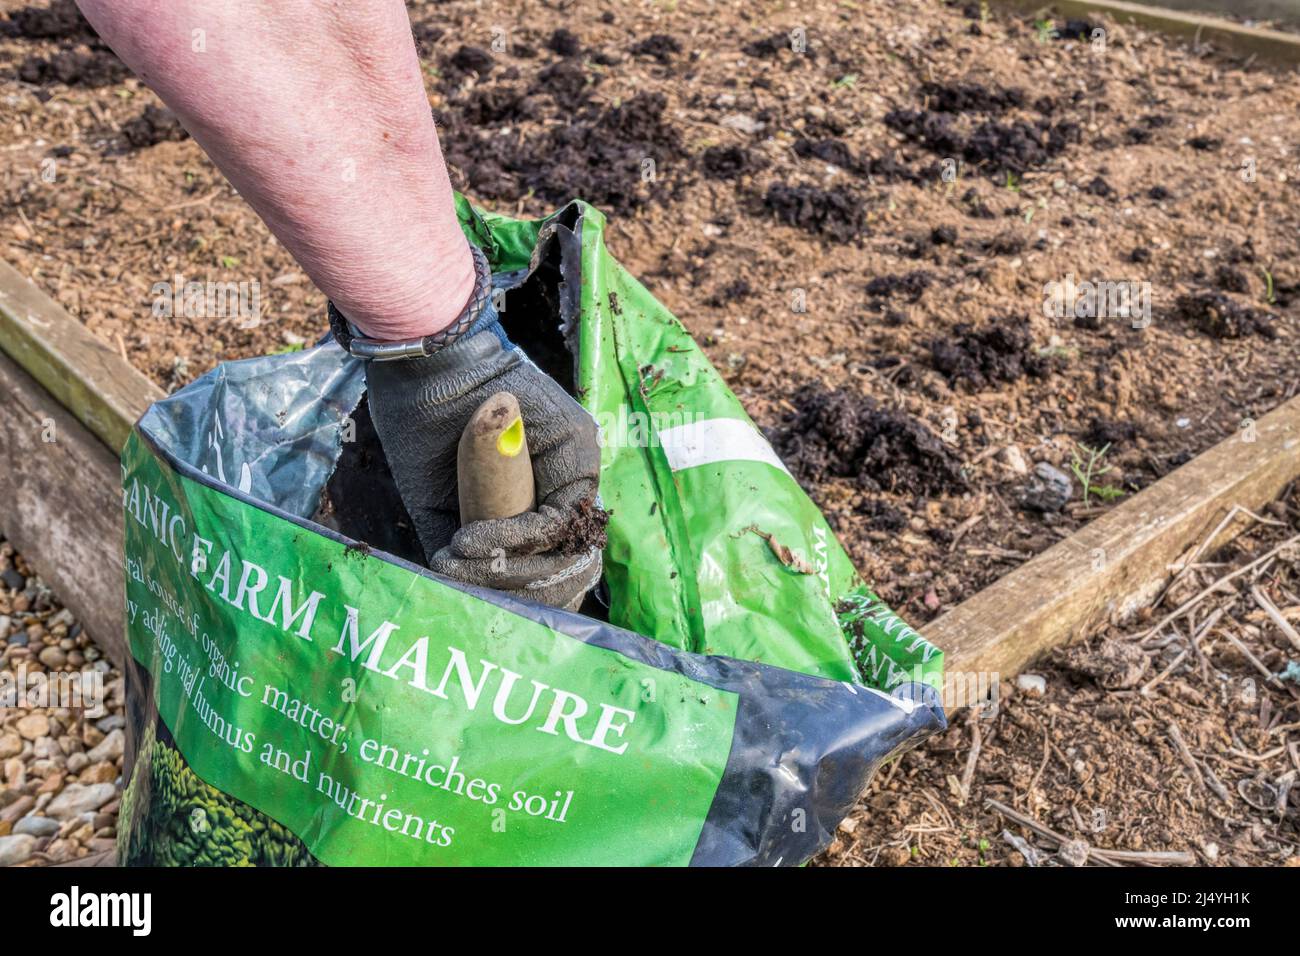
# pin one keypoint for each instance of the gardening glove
(421, 405)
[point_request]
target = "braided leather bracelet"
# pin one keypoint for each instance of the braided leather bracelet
(378, 351)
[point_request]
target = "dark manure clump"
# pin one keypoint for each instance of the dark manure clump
(838, 433)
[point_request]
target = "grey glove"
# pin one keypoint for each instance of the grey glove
(420, 407)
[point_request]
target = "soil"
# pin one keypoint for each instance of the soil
(841, 434)
(859, 235)
(61, 20)
(1002, 351)
(154, 125)
(1221, 317)
(835, 213)
(586, 530)
(1093, 752)
(81, 66)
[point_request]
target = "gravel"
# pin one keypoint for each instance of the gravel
(60, 769)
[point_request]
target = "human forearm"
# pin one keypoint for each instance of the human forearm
(316, 113)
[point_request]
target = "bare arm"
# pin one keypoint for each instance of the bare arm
(316, 112)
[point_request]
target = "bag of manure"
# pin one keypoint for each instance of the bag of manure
(305, 693)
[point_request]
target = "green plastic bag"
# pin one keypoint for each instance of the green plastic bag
(303, 697)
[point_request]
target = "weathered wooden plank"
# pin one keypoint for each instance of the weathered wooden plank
(1224, 34)
(1116, 564)
(62, 505)
(1283, 11)
(97, 385)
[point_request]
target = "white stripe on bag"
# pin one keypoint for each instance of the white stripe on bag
(713, 440)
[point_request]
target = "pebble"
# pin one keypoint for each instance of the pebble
(894, 856)
(15, 773)
(5, 624)
(80, 799)
(16, 849)
(33, 825)
(18, 640)
(742, 122)
(61, 851)
(111, 723)
(77, 762)
(110, 748)
(1033, 684)
(17, 810)
(53, 657)
(1049, 488)
(102, 772)
(1014, 459)
(33, 726)
(1073, 853)
(43, 767)
(11, 745)
(13, 580)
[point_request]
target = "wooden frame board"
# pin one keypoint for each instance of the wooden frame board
(63, 505)
(1117, 563)
(1273, 45)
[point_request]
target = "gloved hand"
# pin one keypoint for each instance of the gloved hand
(420, 407)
